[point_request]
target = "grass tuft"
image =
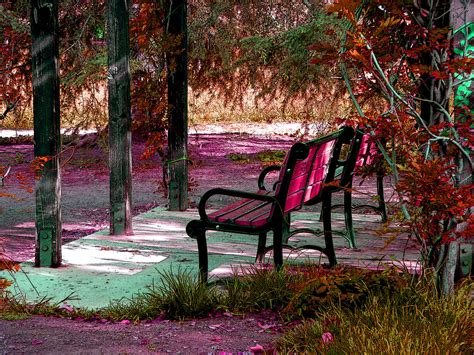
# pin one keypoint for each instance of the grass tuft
(139, 307)
(183, 295)
(257, 289)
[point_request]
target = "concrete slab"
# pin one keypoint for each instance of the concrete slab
(99, 268)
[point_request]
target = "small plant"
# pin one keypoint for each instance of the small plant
(348, 287)
(19, 158)
(180, 296)
(141, 307)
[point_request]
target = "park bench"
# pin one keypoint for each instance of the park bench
(305, 177)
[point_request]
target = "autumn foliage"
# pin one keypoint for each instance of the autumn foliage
(402, 53)
(6, 264)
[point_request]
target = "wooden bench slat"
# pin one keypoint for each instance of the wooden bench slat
(246, 212)
(237, 205)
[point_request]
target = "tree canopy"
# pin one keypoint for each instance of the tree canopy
(235, 48)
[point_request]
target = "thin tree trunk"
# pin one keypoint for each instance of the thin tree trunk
(177, 62)
(120, 137)
(47, 136)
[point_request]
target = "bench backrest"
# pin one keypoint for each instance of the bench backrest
(362, 151)
(307, 168)
(367, 152)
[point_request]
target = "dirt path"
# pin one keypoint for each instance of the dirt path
(41, 335)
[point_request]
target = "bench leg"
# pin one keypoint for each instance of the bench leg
(203, 259)
(329, 244)
(380, 193)
(278, 247)
(286, 228)
(197, 230)
(262, 243)
(350, 234)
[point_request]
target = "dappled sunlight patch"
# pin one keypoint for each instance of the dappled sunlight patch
(224, 271)
(164, 226)
(26, 225)
(109, 259)
(232, 249)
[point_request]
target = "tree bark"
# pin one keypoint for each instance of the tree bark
(177, 62)
(458, 256)
(120, 136)
(47, 135)
(432, 89)
(436, 93)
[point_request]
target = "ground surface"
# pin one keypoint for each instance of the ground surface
(85, 210)
(85, 186)
(47, 335)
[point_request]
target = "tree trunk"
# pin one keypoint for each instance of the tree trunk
(177, 62)
(458, 255)
(120, 136)
(436, 93)
(47, 135)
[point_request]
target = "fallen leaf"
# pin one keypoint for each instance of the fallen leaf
(327, 338)
(67, 308)
(36, 342)
(257, 349)
(265, 327)
(125, 321)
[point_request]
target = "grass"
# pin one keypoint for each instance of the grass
(203, 109)
(180, 296)
(413, 320)
(336, 311)
(256, 289)
(265, 157)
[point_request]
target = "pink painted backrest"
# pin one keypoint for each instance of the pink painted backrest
(368, 151)
(308, 175)
(319, 170)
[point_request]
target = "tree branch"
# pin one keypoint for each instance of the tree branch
(9, 108)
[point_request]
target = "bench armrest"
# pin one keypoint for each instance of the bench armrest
(264, 173)
(232, 193)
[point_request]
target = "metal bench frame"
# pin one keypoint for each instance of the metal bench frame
(364, 151)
